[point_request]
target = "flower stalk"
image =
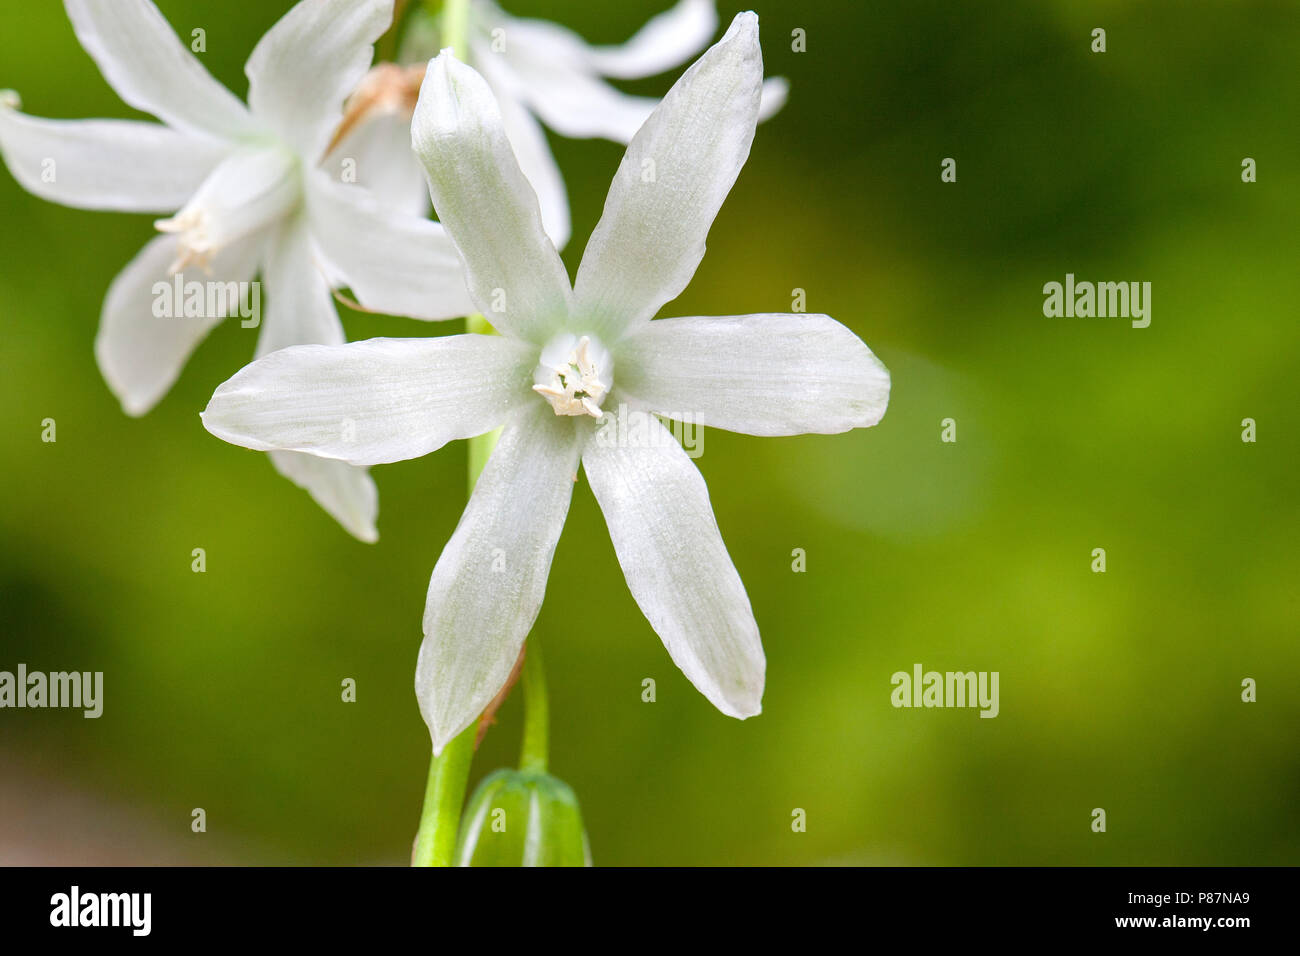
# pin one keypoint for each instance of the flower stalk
(537, 716)
(455, 27)
(444, 795)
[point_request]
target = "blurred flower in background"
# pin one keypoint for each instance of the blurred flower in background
(538, 69)
(251, 197)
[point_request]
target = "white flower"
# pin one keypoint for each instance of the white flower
(563, 349)
(245, 185)
(540, 69)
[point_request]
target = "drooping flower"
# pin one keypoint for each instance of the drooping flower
(566, 355)
(246, 194)
(539, 70)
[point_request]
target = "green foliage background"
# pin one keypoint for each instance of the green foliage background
(1119, 690)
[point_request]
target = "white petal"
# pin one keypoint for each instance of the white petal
(106, 164)
(650, 238)
(776, 90)
(488, 584)
(298, 308)
(657, 509)
(534, 155)
(539, 166)
(141, 352)
(547, 67)
(488, 207)
(756, 374)
(376, 401)
(666, 41)
(145, 62)
(347, 492)
(393, 261)
(378, 151)
(307, 65)
(251, 190)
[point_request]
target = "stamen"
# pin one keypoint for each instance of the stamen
(574, 375)
(245, 192)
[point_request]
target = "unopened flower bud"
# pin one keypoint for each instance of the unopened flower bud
(521, 818)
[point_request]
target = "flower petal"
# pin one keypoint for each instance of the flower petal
(347, 492)
(379, 151)
(144, 334)
(677, 171)
(547, 67)
(666, 41)
(393, 261)
(776, 90)
(299, 309)
(147, 65)
(657, 509)
(533, 153)
(488, 584)
(307, 65)
(490, 210)
(120, 165)
(755, 374)
(376, 401)
(251, 191)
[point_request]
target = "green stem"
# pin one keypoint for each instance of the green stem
(444, 794)
(537, 716)
(455, 27)
(390, 43)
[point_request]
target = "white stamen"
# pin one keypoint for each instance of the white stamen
(574, 375)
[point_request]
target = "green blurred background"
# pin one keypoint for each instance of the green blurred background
(1118, 690)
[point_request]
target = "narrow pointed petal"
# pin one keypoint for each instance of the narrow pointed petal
(673, 180)
(666, 41)
(147, 65)
(307, 65)
(528, 141)
(346, 492)
(549, 70)
(755, 374)
(488, 207)
(393, 261)
(657, 509)
(144, 336)
(488, 584)
(376, 401)
(539, 166)
(118, 165)
(298, 308)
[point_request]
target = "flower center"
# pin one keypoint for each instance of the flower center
(247, 191)
(574, 374)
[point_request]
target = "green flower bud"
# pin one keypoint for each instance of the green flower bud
(522, 818)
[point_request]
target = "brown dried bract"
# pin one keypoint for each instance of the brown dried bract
(387, 88)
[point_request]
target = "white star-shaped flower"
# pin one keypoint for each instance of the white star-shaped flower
(542, 70)
(567, 354)
(246, 194)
